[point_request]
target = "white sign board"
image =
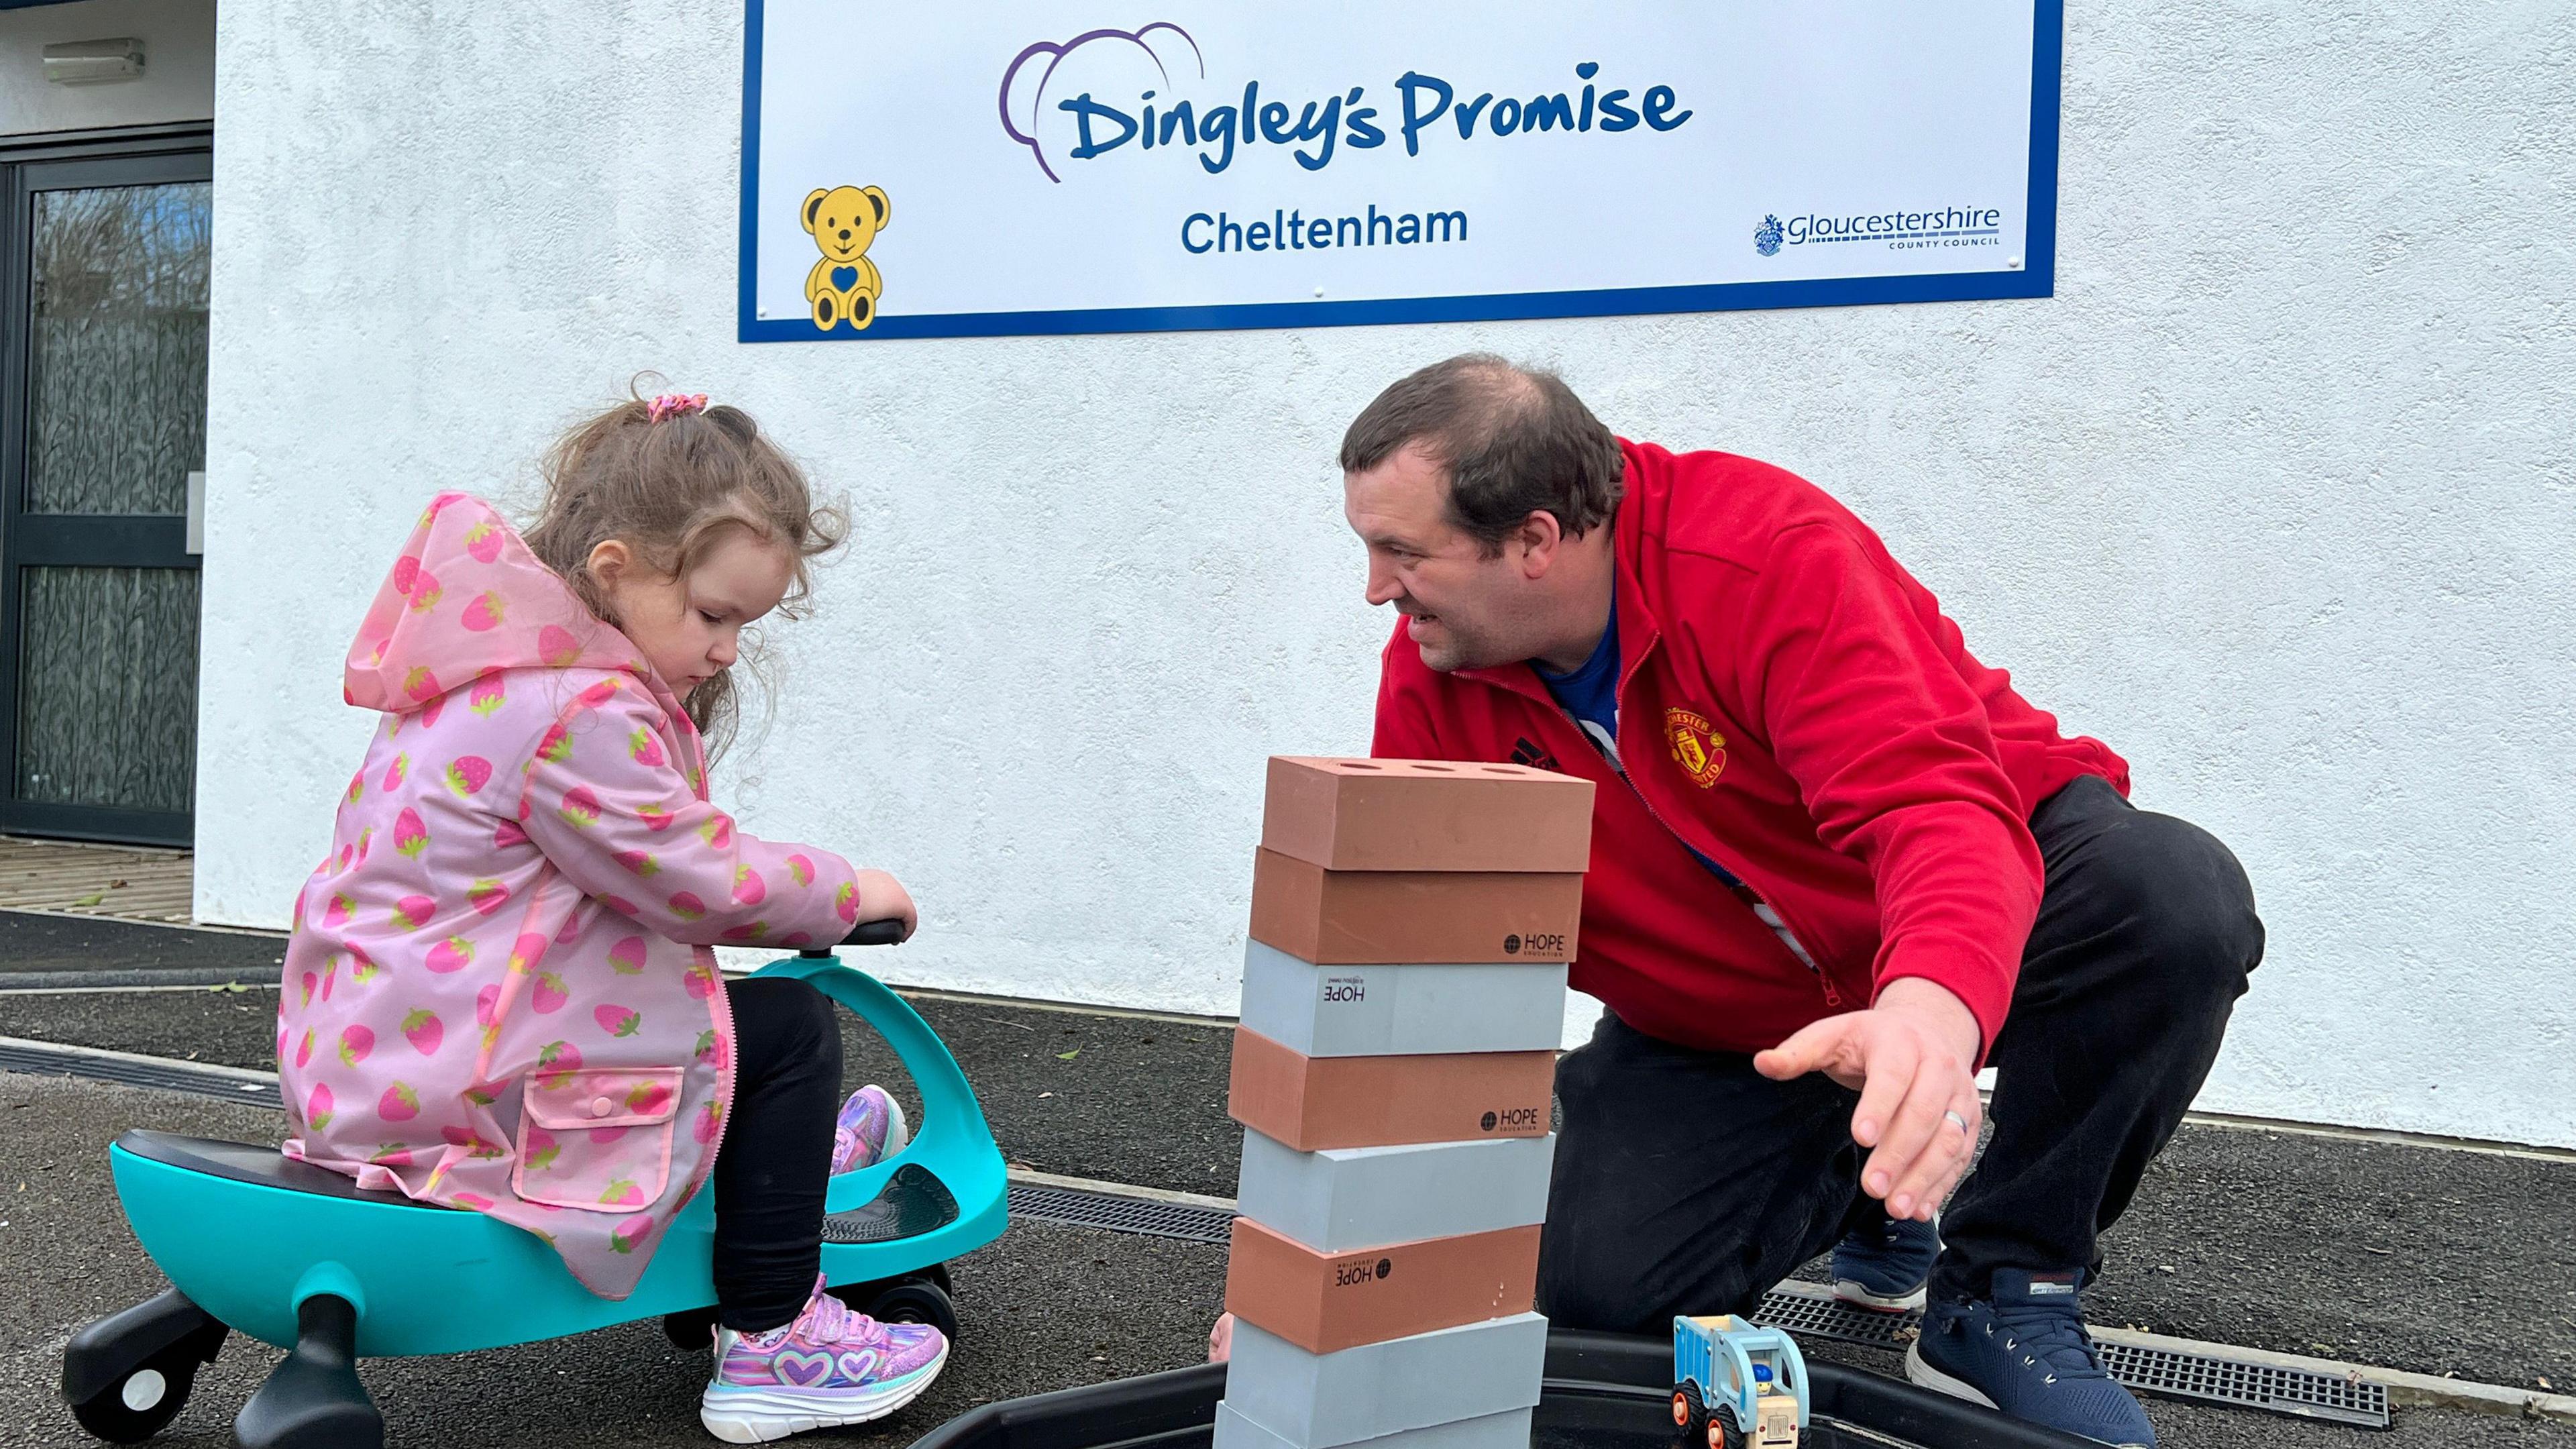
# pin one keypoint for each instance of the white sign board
(1054, 166)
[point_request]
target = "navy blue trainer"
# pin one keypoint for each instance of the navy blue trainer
(2024, 1351)
(1884, 1267)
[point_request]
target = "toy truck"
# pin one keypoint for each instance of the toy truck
(1742, 1386)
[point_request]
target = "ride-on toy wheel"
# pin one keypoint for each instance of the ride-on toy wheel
(1687, 1414)
(916, 1300)
(128, 1375)
(1720, 1435)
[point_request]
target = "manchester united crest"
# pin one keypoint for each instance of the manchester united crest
(1697, 746)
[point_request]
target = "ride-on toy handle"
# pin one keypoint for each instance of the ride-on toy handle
(865, 933)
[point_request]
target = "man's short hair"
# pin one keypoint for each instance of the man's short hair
(1514, 440)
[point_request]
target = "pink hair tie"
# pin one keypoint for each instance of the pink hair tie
(672, 404)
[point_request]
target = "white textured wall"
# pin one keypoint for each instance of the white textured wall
(177, 84)
(2276, 494)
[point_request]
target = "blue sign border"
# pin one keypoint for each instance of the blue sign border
(2036, 278)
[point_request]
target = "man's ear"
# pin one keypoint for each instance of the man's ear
(1541, 539)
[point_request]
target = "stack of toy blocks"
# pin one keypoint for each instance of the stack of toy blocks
(1403, 997)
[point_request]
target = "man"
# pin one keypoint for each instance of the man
(1837, 865)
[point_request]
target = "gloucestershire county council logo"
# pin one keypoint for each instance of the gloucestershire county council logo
(1697, 746)
(1766, 237)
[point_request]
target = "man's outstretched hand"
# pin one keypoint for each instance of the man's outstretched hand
(1912, 1057)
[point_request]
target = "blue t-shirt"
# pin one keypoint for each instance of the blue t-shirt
(1591, 693)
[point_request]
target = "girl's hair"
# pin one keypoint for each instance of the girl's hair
(671, 488)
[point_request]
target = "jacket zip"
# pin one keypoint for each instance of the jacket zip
(729, 1070)
(1743, 891)
(1736, 886)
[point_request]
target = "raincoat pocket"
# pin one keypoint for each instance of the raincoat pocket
(597, 1140)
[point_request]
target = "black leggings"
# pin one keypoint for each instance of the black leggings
(777, 1155)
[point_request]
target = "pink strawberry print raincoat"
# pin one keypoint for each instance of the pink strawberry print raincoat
(499, 993)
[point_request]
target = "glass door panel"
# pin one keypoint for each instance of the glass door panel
(107, 688)
(116, 356)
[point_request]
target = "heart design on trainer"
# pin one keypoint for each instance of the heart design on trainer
(804, 1370)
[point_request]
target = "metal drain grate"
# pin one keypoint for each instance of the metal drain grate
(1076, 1208)
(2256, 1385)
(1811, 1308)
(259, 1089)
(1806, 1308)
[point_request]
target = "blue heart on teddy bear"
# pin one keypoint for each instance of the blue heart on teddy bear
(844, 278)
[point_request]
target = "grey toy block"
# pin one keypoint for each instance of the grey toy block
(1493, 1431)
(1402, 1010)
(1346, 1198)
(1367, 1394)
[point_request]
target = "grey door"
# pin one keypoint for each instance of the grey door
(103, 280)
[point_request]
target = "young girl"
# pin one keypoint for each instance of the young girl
(499, 995)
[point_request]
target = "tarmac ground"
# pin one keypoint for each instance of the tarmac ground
(2402, 1256)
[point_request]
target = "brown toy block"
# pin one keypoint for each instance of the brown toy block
(1326, 1302)
(1376, 917)
(1426, 815)
(1315, 1103)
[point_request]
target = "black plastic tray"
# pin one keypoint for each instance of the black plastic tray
(1602, 1392)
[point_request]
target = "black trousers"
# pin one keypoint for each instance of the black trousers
(777, 1155)
(1686, 1182)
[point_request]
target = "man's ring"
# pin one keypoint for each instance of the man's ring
(1957, 1121)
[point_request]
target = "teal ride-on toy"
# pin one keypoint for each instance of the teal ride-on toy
(299, 1257)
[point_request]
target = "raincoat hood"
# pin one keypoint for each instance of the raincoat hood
(508, 612)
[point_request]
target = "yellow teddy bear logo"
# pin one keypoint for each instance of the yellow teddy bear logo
(844, 285)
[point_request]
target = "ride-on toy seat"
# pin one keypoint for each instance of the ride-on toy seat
(300, 1257)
